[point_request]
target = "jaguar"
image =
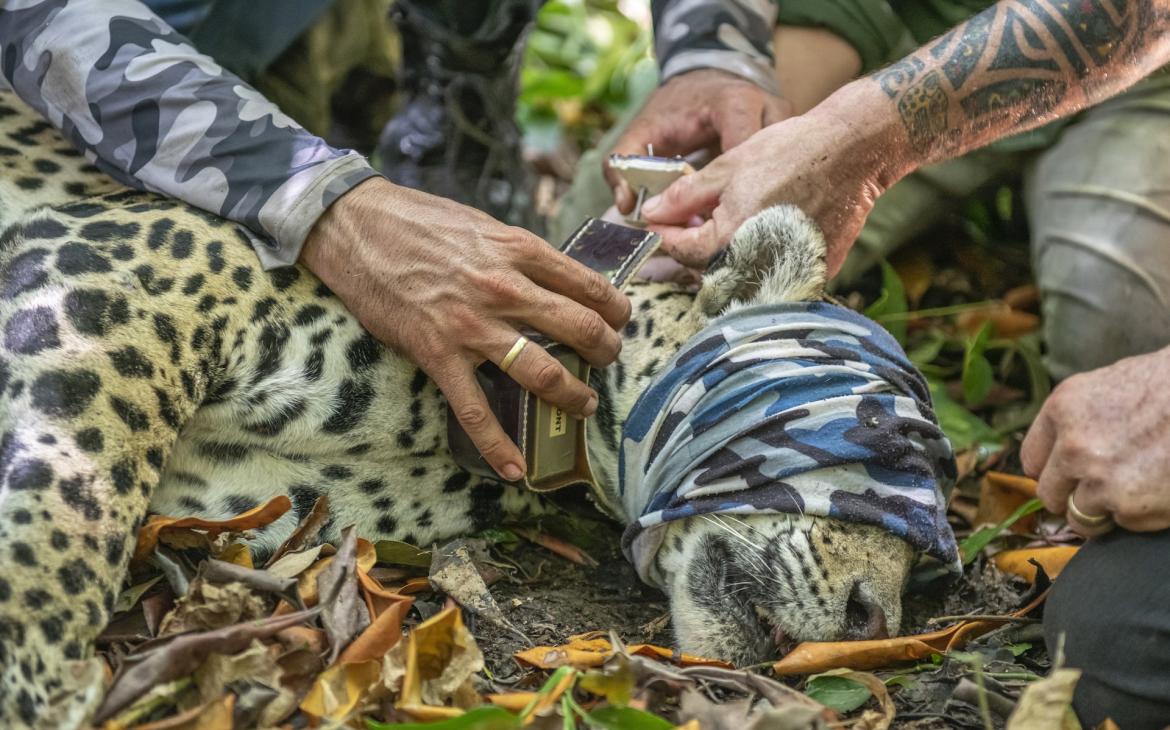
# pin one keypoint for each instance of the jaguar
(149, 365)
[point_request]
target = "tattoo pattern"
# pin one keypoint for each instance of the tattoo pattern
(1013, 63)
(893, 78)
(924, 109)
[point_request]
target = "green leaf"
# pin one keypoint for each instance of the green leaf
(928, 351)
(1003, 203)
(625, 718)
(961, 426)
(402, 553)
(481, 718)
(1019, 649)
(129, 597)
(972, 545)
(499, 536)
(901, 680)
(1028, 346)
(891, 302)
(569, 721)
(978, 378)
(838, 693)
(978, 375)
(550, 84)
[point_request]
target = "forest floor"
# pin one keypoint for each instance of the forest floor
(547, 625)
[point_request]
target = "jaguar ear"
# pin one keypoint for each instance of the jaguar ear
(777, 255)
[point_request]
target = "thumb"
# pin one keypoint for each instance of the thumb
(689, 196)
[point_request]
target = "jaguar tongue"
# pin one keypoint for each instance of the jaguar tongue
(783, 643)
(779, 637)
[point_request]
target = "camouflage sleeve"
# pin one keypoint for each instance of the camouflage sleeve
(729, 35)
(154, 113)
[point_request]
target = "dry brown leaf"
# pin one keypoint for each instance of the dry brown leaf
(1002, 494)
(412, 586)
(305, 532)
(148, 535)
(586, 651)
(236, 553)
(550, 698)
(436, 664)
(215, 715)
(1047, 703)
(813, 657)
(163, 660)
(453, 572)
(343, 612)
(257, 662)
(1007, 322)
(1026, 296)
(293, 564)
(1052, 559)
(260, 581)
(916, 270)
(513, 701)
(297, 638)
(379, 599)
(380, 636)
(340, 690)
(208, 606)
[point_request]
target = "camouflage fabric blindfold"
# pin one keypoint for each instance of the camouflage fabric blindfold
(798, 408)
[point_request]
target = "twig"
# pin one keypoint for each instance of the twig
(1013, 676)
(984, 617)
(566, 550)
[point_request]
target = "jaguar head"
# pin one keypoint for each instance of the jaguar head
(746, 587)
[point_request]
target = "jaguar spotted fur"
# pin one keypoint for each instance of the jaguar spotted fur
(148, 363)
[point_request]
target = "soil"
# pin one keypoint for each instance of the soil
(562, 599)
(549, 599)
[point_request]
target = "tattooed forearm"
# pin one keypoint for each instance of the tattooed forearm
(1021, 63)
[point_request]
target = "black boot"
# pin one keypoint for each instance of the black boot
(456, 134)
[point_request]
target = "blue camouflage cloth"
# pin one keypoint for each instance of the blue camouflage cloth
(797, 408)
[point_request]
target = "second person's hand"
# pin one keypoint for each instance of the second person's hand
(695, 111)
(831, 162)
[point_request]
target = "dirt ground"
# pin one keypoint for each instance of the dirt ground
(549, 599)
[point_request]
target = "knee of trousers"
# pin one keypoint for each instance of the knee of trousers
(1098, 307)
(1109, 614)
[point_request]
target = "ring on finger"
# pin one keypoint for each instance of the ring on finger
(514, 353)
(1090, 524)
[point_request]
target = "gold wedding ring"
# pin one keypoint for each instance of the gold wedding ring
(513, 353)
(1091, 524)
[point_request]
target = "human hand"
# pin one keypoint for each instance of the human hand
(829, 165)
(449, 287)
(1104, 436)
(691, 112)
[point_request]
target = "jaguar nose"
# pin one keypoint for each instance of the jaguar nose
(864, 618)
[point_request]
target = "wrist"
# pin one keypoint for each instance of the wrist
(871, 130)
(754, 69)
(332, 236)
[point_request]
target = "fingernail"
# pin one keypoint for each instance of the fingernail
(512, 472)
(652, 204)
(591, 406)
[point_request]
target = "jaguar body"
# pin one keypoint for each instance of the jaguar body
(148, 364)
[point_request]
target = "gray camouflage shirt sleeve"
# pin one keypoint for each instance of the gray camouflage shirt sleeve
(729, 35)
(155, 114)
